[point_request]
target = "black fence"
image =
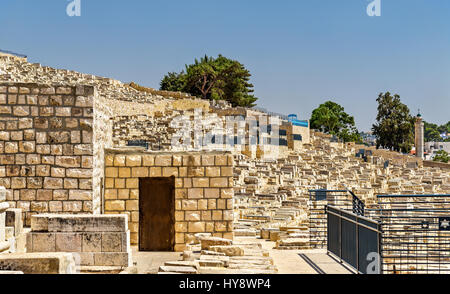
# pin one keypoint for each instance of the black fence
(354, 240)
(318, 201)
(416, 233)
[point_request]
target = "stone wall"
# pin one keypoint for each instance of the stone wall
(98, 240)
(203, 189)
(442, 165)
(47, 147)
(103, 139)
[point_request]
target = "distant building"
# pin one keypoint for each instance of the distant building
(445, 136)
(369, 138)
(431, 148)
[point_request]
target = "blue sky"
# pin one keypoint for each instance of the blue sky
(300, 52)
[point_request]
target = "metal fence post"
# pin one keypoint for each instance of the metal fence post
(357, 243)
(340, 236)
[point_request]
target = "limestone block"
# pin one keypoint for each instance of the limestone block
(148, 160)
(219, 182)
(139, 172)
(195, 193)
(200, 182)
(82, 222)
(189, 204)
(163, 160)
(41, 242)
(14, 219)
(68, 242)
(212, 171)
(86, 258)
(92, 242)
(207, 242)
(39, 263)
(170, 171)
(208, 160)
(221, 160)
(133, 160)
(212, 193)
(177, 269)
(112, 259)
(112, 242)
(115, 205)
(192, 216)
(196, 227)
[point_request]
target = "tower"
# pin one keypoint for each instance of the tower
(419, 135)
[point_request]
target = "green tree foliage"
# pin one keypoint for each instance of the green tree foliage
(441, 156)
(433, 131)
(213, 78)
(173, 82)
(395, 125)
(331, 118)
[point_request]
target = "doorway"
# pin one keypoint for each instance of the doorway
(156, 214)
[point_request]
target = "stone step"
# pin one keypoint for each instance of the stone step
(177, 269)
(211, 263)
(214, 253)
(193, 264)
(225, 271)
(232, 250)
(206, 242)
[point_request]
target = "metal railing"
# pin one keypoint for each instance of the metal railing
(416, 233)
(318, 200)
(355, 240)
(270, 113)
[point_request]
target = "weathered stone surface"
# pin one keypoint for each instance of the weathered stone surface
(178, 269)
(233, 250)
(80, 223)
(207, 242)
(39, 263)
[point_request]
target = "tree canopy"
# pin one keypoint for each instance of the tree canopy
(331, 118)
(215, 79)
(395, 125)
(433, 132)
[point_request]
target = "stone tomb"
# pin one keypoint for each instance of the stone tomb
(202, 192)
(99, 240)
(37, 263)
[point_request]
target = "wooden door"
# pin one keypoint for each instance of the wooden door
(156, 214)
